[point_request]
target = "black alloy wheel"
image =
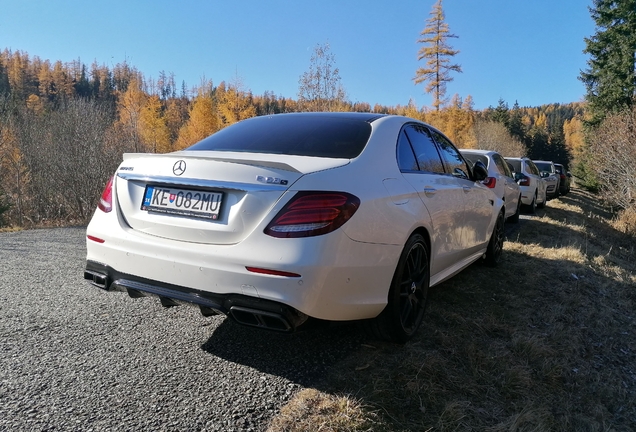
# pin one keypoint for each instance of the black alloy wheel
(408, 294)
(495, 245)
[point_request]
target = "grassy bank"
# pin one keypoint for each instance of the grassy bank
(546, 341)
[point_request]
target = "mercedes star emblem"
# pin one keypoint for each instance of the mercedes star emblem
(179, 167)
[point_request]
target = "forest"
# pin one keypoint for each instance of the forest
(65, 126)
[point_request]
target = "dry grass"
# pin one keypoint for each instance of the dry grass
(547, 341)
(625, 222)
(318, 411)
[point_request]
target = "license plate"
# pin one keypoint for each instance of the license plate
(185, 202)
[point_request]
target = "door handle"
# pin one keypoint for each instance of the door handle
(467, 188)
(429, 191)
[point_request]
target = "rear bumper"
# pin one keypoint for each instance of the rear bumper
(243, 309)
(527, 195)
(340, 279)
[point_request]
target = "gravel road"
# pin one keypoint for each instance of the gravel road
(73, 357)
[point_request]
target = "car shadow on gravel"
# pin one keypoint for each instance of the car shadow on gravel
(303, 357)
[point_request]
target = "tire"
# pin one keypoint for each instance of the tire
(542, 205)
(408, 294)
(533, 205)
(515, 217)
(495, 245)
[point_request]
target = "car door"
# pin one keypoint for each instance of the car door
(422, 167)
(478, 199)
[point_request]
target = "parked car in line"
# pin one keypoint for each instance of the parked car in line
(282, 218)
(528, 177)
(564, 182)
(551, 177)
(500, 179)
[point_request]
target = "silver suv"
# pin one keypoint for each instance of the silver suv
(551, 177)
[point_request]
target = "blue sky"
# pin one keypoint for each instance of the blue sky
(516, 50)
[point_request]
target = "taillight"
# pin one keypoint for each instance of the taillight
(524, 181)
(313, 213)
(490, 182)
(106, 200)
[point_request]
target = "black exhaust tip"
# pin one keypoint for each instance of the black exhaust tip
(97, 279)
(261, 319)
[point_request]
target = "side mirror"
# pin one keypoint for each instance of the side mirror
(518, 176)
(545, 174)
(480, 172)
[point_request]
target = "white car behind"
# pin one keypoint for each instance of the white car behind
(500, 179)
(533, 187)
(551, 177)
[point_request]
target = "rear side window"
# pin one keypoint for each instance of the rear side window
(424, 149)
(473, 158)
(544, 166)
(405, 156)
(301, 135)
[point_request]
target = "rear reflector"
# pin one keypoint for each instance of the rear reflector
(271, 272)
(313, 213)
(95, 239)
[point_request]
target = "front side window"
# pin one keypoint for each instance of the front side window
(426, 154)
(453, 160)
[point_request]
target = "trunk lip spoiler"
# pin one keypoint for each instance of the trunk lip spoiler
(208, 184)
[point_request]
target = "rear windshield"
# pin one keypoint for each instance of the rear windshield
(544, 166)
(301, 135)
(473, 158)
(516, 164)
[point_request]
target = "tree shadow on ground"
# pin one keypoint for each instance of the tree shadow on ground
(537, 343)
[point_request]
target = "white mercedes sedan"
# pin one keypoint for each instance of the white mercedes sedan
(281, 219)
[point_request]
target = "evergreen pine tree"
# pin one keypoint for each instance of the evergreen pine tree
(610, 79)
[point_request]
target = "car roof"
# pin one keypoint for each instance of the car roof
(477, 151)
(364, 116)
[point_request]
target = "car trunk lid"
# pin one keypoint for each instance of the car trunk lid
(206, 197)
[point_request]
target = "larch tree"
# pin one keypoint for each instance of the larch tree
(129, 107)
(153, 130)
(234, 103)
(203, 121)
(610, 79)
(438, 55)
